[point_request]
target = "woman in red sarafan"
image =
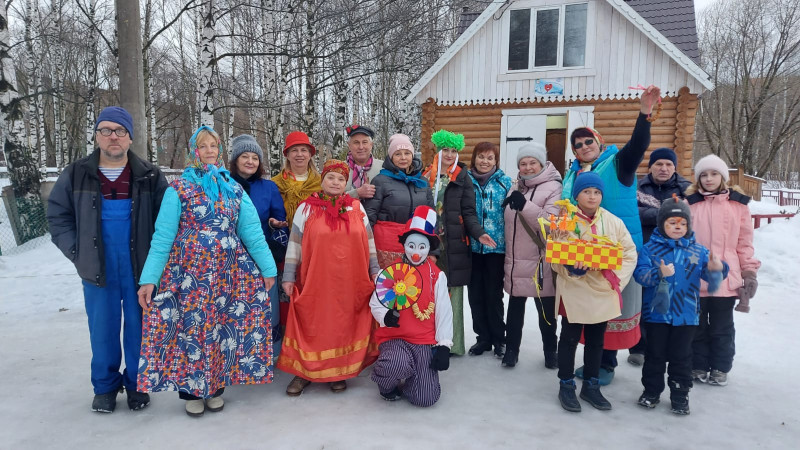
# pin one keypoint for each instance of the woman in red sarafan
(330, 267)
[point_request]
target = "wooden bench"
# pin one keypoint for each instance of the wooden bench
(757, 218)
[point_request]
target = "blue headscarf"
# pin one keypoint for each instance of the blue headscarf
(213, 178)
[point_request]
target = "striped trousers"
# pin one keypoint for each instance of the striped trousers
(400, 360)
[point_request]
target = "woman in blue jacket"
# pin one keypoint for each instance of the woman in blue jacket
(486, 281)
(247, 168)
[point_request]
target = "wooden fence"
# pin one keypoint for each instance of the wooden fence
(783, 197)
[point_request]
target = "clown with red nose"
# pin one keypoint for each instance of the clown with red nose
(412, 306)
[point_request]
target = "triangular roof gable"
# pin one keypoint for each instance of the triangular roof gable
(624, 9)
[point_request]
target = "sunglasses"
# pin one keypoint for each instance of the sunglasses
(588, 142)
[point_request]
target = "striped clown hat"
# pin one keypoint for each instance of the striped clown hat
(423, 222)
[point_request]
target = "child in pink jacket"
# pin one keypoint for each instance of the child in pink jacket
(722, 224)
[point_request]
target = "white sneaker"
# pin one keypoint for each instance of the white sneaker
(195, 408)
(215, 404)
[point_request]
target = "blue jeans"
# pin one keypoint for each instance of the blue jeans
(114, 305)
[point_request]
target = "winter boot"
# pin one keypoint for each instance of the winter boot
(479, 348)
(566, 395)
(215, 404)
(679, 396)
(590, 392)
(105, 403)
(394, 395)
(718, 378)
(499, 350)
(605, 376)
(636, 359)
(511, 358)
(700, 375)
(138, 400)
(551, 360)
(649, 400)
(195, 408)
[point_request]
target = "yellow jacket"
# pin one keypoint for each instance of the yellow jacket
(590, 298)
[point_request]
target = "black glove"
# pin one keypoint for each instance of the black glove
(392, 318)
(441, 358)
(574, 271)
(516, 201)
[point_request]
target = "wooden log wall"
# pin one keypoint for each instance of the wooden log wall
(613, 119)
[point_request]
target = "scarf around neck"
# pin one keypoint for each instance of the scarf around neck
(359, 172)
(215, 181)
(294, 192)
(333, 208)
(483, 178)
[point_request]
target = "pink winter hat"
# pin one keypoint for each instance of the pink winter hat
(711, 162)
(399, 142)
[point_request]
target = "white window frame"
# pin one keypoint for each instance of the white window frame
(559, 69)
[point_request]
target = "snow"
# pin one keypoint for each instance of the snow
(768, 205)
(45, 372)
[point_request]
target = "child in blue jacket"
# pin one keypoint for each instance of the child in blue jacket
(670, 268)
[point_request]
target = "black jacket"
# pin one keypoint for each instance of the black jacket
(460, 223)
(74, 214)
(650, 196)
(394, 200)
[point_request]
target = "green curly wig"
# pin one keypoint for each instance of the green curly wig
(446, 139)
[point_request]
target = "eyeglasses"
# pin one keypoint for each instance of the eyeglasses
(587, 142)
(120, 132)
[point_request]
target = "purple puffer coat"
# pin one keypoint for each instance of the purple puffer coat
(522, 255)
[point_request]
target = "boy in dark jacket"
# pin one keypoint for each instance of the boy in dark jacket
(670, 268)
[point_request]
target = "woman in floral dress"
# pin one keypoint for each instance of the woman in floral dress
(207, 327)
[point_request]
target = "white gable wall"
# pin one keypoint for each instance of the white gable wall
(618, 56)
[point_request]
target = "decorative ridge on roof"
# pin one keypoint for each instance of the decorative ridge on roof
(550, 99)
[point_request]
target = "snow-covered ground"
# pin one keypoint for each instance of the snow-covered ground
(46, 393)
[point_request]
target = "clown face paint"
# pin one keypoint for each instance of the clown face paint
(417, 247)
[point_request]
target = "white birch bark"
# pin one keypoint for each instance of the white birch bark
(207, 63)
(91, 78)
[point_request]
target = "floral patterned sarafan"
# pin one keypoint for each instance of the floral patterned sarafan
(208, 325)
(398, 286)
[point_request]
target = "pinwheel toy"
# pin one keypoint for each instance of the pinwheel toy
(398, 286)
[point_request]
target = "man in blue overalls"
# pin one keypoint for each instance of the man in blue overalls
(102, 213)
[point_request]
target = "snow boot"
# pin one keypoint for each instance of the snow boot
(679, 396)
(479, 348)
(392, 396)
(636, 359)
(138, 400)
(215, 404)
(551, 360)
(566, 395)
(718, 378)
(510, 358)
(590, 392)
(648, 400)
(605, 376)
(195, 408)
(105, 403)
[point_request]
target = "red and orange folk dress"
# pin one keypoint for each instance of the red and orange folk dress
(331, 259)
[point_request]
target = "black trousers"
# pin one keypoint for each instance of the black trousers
(485, 291)
(669, 350)
(514, 322)
(546, 306)
(593, 335)
(713, 346)
(641, 346)
(186, 396)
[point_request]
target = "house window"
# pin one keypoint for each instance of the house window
(558, 35)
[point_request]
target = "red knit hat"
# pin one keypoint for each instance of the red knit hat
(297, 138)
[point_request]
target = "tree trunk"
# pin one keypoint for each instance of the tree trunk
(25, 176)
(206, 86)
(131, 77)
(91, 78)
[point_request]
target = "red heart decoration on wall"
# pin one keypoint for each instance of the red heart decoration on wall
(547, 87)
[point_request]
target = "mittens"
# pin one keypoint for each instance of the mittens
(441, 358)
(744, 301)
(750, 283)
(577, 272)
(392, 318)
(661, 300)
(516, 201)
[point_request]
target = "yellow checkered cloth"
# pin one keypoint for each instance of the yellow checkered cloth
(594, 255)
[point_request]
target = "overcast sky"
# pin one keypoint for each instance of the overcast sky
(700, 4)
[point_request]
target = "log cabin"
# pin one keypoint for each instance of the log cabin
(534, 70)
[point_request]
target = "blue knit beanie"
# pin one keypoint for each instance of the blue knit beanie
(586, 180)
(118, 115)
(663, 153)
